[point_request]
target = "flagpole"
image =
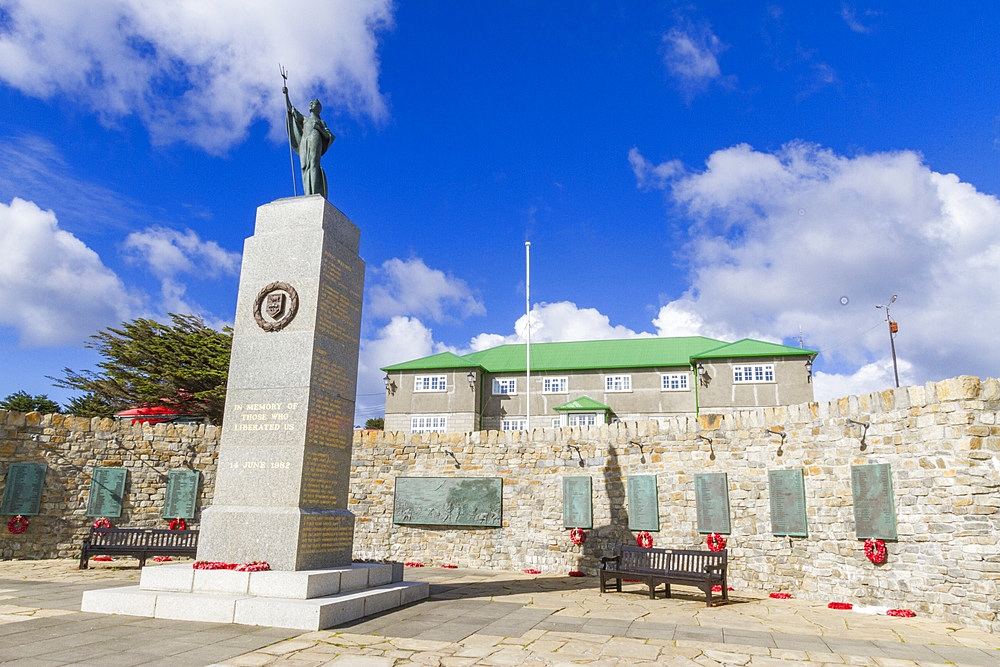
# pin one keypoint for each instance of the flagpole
(527, 347)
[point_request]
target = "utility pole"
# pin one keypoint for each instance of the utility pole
(893, 328)
(527, 347)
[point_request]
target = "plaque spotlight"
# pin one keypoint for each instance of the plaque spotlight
(864, 433)
(642, 455)
(452, 455)
(711, 449)
(578, 454)
(780, 434)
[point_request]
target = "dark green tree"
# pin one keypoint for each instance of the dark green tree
(89, 405)
(22, 401)
(182, 365)
(375, 424)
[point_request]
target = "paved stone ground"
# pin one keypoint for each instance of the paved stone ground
(477, 617)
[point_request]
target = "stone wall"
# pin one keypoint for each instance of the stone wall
(941, 440)
(72, 447)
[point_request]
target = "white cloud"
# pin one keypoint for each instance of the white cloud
(58, 291)
(649, 176)
(410, 287)
(875, 376)
(778, 238)
(196, 71)
(850, 16)
(168, 252)
(402, 339)
(690, 55)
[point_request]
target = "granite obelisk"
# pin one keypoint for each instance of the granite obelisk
(285, 454)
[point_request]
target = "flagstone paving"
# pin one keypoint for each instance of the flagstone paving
(478, 617)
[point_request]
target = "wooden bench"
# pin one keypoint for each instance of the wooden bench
(138, 542)
(691, 567)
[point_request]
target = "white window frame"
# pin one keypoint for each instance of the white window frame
(681, 380)
(428, 424)
(753, 374)
(617, 383)
(557, 422)
(513, 424)
(423, 383)
(505, 386)
(574, 419)
(555, 385)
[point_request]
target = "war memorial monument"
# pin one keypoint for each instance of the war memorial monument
(285, 452)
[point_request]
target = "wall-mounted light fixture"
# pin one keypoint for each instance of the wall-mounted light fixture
(711, 448)
(702, 373)
(578, 454)
(780, 434)
(471, 377)
(864, 433)
(809, 369)
(389, 384)
(452, 455)
(642, 455)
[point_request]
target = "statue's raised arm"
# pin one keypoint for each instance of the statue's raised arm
(310, 138)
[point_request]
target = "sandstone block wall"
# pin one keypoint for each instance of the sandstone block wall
(942, 441)
(72, 447)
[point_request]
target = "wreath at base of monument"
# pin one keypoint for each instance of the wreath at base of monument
(102, 523)
(875, 551)
(577, 536)
(178, 524)
(17, 524)
(716, 542)
(644, 539)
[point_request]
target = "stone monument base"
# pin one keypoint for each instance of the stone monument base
(303, 600)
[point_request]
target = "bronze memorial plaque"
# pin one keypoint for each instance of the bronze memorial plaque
(107, 489)
(448, 501)
(181, 497)
(787, 489)
(711, 493)
(874, 507)
(643, 507)
(22, 493)
(578, 511)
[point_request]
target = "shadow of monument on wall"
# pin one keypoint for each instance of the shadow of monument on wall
(603, 540)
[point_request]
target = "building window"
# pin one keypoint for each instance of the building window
(618, 383)
(428, 424)
(753, 373)
(430, 383)
(581, 419)
(555, 385)
(556, 422)
(505, 387)
(513, 424)
(674, 382)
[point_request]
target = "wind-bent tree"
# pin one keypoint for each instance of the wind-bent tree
(182, 365)
(89, 405)
(22, 401)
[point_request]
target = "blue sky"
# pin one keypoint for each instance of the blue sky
(720, 169)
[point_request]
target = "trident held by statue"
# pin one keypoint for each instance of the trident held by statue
(291, 157)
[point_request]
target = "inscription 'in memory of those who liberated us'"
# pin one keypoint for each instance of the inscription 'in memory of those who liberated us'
(264, 416)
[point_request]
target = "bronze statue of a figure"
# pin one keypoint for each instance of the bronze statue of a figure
(310, 138)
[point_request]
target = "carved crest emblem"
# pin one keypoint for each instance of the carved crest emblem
(275, 306)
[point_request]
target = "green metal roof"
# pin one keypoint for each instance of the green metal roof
(440, 360)
(582, 403)
(594, 354)
(601, 354)
(748, 347)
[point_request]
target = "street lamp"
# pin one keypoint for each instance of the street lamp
(893, 328)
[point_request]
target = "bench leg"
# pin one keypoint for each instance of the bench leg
(84, 555)
(667, 587)
(142, 559)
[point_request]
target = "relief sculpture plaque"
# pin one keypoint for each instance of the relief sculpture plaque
(577, 503)
(107, 490)
(22, 492)
(711, 491)
(643, 507)
(874, 507)
(787, 490)
(448, 501)
(182, 494)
